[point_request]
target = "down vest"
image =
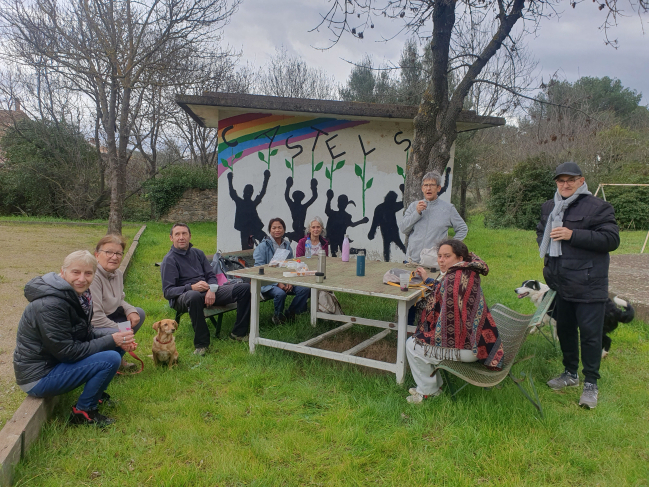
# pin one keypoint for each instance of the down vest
(580, 274)
(53, 329)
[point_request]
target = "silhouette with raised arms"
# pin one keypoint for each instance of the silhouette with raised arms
(298, 210)
(385, 218)
(339, 221)
(246, 218)
(446, 177)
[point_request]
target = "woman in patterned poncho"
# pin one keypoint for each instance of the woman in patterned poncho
(455, 324)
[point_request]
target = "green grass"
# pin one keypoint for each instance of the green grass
(279, 418)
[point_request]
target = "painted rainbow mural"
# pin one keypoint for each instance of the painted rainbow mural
(252, 133)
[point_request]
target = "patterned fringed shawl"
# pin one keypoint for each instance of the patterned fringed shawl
(456, 317)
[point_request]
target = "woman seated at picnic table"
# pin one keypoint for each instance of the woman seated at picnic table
(316, 233)
(278, 291)
(57, 349)
(465, 332)
(107, 289)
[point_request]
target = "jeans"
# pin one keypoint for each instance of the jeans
(580, 322)
(193, 302)
(118, 317)
(95, 372)
(298, 305)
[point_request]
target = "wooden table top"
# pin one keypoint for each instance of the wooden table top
(341, 276)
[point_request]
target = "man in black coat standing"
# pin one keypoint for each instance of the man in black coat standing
(575, 235)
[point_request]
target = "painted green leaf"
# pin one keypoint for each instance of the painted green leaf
(224, 162)
(327, 173)
(273, 152)
(318, 166)
(288, 164)
(261, 156)
(369, 183)
(358, 170)
(399, 170)
(238, 155)
(339, 164)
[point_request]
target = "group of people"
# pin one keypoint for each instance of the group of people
(68, 334)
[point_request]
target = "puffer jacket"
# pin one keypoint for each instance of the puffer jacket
(53, 329)
(264, 253)
(580, 274)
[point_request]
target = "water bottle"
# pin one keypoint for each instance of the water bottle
(346, 249)
(307, 248)
(360, 263)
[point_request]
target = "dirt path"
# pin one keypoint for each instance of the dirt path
(29, 250)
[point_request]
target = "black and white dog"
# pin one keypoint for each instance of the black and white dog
(613, 315)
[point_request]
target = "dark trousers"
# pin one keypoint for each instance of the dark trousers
(580, 322)
(193, 302)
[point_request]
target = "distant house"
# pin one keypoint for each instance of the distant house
(7, 119)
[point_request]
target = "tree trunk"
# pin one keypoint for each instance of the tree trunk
(463, 187)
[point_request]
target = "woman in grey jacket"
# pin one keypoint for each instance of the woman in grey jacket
(278, 291)
(56, 348)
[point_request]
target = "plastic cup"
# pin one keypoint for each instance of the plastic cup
(124, 326)
(404, 280)
(214, 287)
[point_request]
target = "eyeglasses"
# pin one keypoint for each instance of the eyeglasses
(109, 254)
(567, 181)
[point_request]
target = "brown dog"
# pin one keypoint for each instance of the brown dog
(164, 343)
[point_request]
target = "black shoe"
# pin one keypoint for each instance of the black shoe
(89, 417)
(290, 316)
(238, 338)
(105, 400)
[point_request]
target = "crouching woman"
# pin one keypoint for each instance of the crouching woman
(455, 324)
(56, 347)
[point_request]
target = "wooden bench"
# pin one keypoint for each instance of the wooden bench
(513, 328)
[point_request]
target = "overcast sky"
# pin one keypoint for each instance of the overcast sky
(572, 46)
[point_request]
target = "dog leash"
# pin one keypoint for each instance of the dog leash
(132, 354)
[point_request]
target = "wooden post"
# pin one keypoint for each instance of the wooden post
(645, 243)
(314, 307)
(255, 286)
(401, 341)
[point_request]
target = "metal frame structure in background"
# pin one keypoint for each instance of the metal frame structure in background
(601, 186)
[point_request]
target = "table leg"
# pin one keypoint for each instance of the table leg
(255, 286)
(401, 341)
(314, 307)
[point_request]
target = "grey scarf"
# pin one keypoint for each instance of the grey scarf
(547, 244)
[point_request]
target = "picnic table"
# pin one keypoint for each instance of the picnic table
(341, 277)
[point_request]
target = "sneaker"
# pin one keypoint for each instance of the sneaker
(412, 391)
(588, 397)
(105, 400)
(200, 351)
(126, 366)
(564, 380)
(238, 338)
(417, 398)
(89, 417)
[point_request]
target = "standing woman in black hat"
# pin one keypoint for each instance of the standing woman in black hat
(575, 235)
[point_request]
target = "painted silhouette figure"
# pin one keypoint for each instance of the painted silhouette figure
(339, 221)
(443, 190)
(246, 218)
(385, 218)
(298, 210)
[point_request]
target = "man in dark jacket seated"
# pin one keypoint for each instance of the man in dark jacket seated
(575, 235)
(190, 285)
(56, 347)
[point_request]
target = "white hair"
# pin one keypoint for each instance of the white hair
(432, 176)
(82, 256)
(319, 220)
